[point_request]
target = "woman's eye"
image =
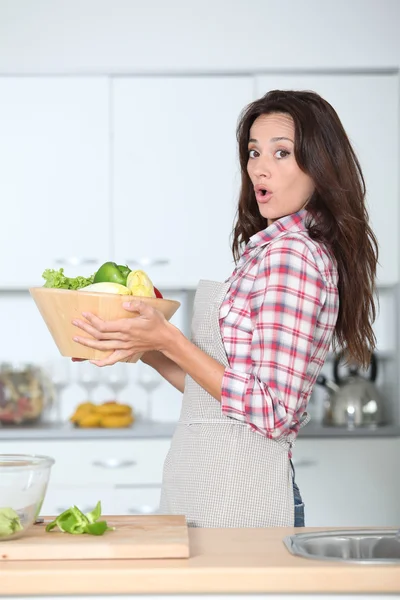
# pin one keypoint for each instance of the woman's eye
(253, 153)
(281, 153)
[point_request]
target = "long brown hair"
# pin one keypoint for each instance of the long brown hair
(337, 207)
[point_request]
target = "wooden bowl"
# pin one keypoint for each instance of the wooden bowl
(60, 307)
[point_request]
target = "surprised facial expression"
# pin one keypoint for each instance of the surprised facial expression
(281, 187)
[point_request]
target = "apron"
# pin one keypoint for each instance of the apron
(218, 471)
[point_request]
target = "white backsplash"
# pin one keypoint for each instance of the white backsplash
(25, 338)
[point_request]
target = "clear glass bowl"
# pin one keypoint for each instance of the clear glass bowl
(23, 485)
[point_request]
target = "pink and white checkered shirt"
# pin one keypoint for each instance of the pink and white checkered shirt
(277, 322)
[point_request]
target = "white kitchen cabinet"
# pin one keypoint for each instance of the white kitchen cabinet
(368, 106)
(54, 184)
(59, 498)
(99, 462)
(137, 500)
(343, 481)
(115, 500)
(349, 482)
(124, 474)
(175, 174)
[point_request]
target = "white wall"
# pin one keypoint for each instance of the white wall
(135, 36)
(44, 36)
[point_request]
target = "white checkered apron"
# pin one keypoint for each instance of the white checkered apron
(219, 472)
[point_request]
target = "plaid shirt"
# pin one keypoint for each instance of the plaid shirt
(277, 322)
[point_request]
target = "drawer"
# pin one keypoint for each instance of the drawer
(100, 462)
(137, 501)
(125, 500)
(60, 498)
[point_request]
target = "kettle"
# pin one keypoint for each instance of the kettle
(353, 401)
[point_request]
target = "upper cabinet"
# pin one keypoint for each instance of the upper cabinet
(368, 106)
(145, 170)
(175, 174)
(54, 184)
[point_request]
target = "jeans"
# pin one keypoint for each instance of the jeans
(299, 519)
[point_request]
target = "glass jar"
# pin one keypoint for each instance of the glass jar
(25, 393)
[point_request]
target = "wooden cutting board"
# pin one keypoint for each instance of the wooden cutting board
(141, 536)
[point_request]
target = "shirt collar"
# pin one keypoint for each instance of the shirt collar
(291, 223)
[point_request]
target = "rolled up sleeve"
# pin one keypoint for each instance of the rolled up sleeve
(286, 299)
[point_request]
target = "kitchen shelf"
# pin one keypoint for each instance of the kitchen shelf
(146, 430)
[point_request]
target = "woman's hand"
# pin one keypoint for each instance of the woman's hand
(125, 337)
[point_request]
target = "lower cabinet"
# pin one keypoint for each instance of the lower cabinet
(137, 500)
(344, 482)
(115, 500)
(349, 482)
(124, 474)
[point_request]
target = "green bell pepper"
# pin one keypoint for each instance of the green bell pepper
(76, 522)
(110, 272)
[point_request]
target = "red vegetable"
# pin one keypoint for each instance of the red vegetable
(157, 293)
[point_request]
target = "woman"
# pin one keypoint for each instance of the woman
(304, 280)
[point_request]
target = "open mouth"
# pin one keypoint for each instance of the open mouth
(262, 193)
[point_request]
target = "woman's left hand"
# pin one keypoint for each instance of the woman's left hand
(124, 337)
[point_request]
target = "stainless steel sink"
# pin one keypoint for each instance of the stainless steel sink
(366, 546)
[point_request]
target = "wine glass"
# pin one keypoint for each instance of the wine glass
(60, 375)
(149, 379)
(116, 377)
(88, 377)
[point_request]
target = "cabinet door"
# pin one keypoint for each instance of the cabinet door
(349, 482)
(175, 174)
(99, 463)
(59, 498)
(54, 152)
(133, 500)
(368, 106)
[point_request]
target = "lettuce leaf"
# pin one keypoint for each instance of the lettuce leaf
(57, 279)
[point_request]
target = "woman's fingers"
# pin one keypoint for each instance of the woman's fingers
(99, 330)
(116, 356)
(102, 344)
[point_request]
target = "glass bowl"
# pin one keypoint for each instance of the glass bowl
(23, 485)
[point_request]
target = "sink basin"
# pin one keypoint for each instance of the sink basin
(367, 546)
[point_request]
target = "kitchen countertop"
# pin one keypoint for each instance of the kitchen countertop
(142, 429)
(222, 561)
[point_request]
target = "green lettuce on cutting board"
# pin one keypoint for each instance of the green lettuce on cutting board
(76, 522)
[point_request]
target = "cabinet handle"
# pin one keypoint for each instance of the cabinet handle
(60, 510)
(305, 462)
(148, 262)
(114, 463)
(142, 510)
(86, 509)
(75, 261)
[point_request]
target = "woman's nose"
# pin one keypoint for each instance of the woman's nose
(262, 169)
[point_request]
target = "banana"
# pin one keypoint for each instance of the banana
(109, 414)
(83, 409)
(91, 420)
(114, 409)
(116, 421)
